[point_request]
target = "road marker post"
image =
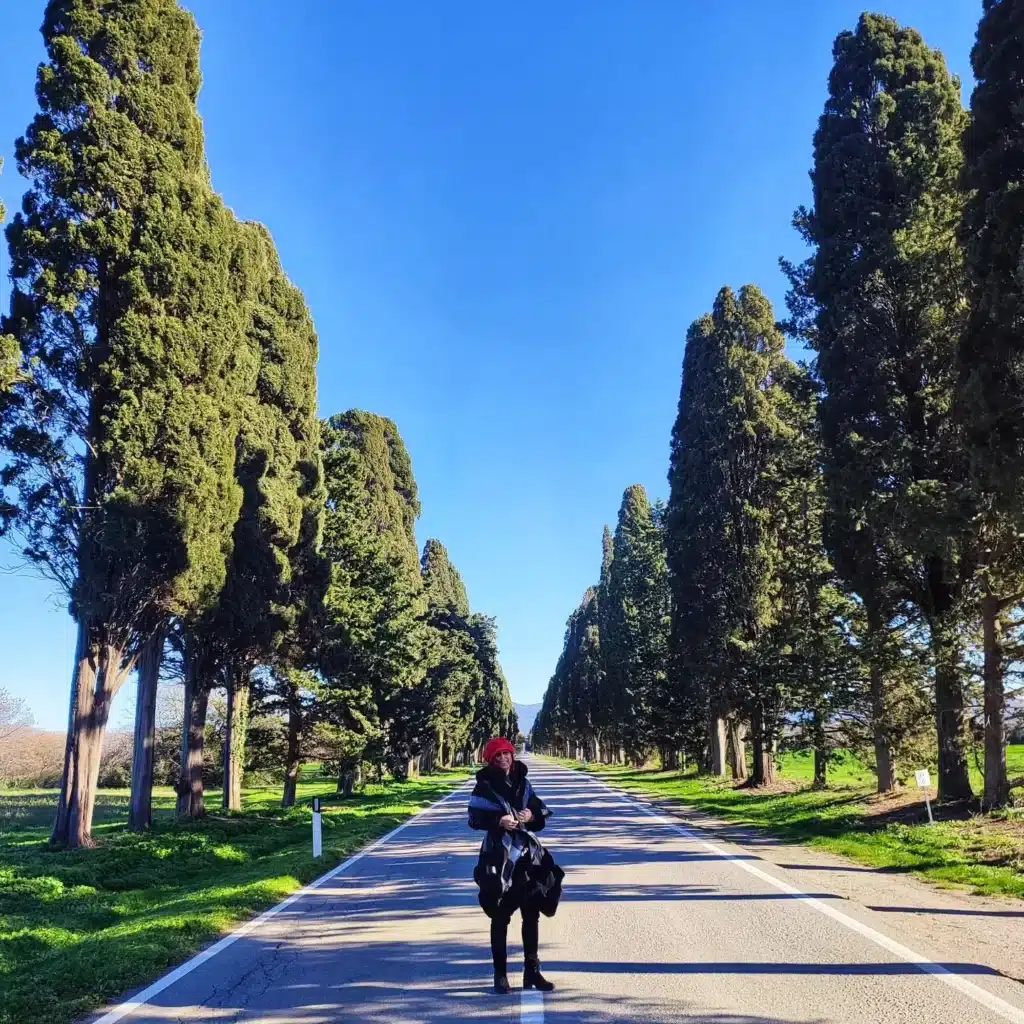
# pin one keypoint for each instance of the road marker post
(318, 834)
(924, 781)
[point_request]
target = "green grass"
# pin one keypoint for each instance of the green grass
(982, 853)
(78, 929)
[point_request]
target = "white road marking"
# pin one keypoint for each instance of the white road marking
(531, 1007)
(125, 1008)
(980, 995)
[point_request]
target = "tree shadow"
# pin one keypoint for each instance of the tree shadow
(949, 911)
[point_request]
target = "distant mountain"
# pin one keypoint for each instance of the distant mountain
(527, 713)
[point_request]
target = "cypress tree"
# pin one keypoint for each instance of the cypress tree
(440, 713)
(577, 676)
(634, 648)
(372, 645)
(696, 544)
(882, 301)
(545, 728)
(992, 352)
(723, 552)
(607, 725)
(493, 712)
(587, 669)
(807, 661)
(119, 475)
(272, 570)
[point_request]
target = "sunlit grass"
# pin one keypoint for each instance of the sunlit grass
(77, 929)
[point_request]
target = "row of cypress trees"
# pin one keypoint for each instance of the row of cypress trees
(840, 558)
(163, 460)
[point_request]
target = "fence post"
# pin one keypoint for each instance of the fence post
(318, 839)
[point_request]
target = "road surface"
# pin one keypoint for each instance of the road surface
(657, 924)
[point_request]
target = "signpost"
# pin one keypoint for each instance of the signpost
(318, 839)
(924, 781)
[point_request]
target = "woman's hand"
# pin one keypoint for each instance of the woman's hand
(526, 816)
(509, 822)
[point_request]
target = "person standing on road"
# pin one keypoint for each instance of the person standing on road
(514, 871)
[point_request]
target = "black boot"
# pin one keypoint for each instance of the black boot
(532, 978)
(501, 985)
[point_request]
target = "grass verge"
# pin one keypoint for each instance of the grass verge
(984, 853)
(78, 929)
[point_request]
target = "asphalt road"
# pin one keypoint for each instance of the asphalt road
(657, 924)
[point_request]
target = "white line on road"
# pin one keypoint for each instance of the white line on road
(531, 1007)
(125, 1008)
(980, 995)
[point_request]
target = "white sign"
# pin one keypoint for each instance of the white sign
(924, 779)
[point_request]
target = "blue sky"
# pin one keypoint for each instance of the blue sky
(504, 217)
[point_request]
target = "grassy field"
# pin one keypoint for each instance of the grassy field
(983, 853)
(77, 929)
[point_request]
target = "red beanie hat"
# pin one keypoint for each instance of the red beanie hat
(499, 745)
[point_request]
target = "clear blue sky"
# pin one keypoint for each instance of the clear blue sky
(503, 217)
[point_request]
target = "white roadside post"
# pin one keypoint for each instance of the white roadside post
(924, 781)
(318, 838)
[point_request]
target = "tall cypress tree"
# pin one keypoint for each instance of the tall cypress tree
(992, 353)
(607, 725)
(440, 713)
(807, 661)
(576, 678)
(278, 468)
(120, 478)
(493, 712)
(696, 542)
(882, 302)
(634, 649)
(723, 553)
(372, 645)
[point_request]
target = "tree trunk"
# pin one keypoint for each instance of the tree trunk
(191, 799)
(820, 768)
(293, 765)
(764, 753)
(950, 717)
(997, 786)
(99, 671)
(885, 755)
(236, 729)
(716, 746)
(821, 751)
(140, 810)
(737, 748)
(349, 779)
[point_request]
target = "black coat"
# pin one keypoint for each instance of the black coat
(514, 870)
